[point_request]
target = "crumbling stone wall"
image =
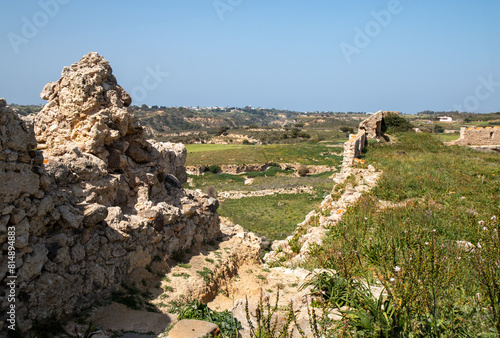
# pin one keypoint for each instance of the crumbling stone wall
(92, 202)
(489, 136)
(371, 128)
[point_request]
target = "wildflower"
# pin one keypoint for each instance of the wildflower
(392, 280)
(426, 243)
(481, 222)
(367, 218)
(485, 229)
(397, 268)
(494, 218)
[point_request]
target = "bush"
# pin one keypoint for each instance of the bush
(393, 122)
(303, 171)
(345, 129)
(228, 325)
(214, 168)
(438, 129)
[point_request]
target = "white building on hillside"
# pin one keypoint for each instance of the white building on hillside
(445, 119)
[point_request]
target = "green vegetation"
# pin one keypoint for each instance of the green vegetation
(436, 252)
(306, 153)
(393, 122)
(207, 274)
(275, 216)
(228, 325)
(448, 137)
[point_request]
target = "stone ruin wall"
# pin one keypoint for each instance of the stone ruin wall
(313, 229)
(489, 136)
(91, 201)
(371, 128)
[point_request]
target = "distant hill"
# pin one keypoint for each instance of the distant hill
(175, 119)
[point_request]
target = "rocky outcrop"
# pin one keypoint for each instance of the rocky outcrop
(95, 202)
(374, 124)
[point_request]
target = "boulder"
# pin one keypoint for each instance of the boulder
(192, 328)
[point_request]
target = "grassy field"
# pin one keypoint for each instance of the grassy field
(448, 137)
(275, 216)
(197, 148)
(262, 180)
(437, 254)
(301, 153)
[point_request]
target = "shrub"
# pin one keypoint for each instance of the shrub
(228, 325)
(214, 168)
(303, 170)
(346, 129)
(438, 129)
(393, 122)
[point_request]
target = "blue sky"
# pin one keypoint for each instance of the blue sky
(301, 55)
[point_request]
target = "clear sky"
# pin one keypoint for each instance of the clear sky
(306, 55)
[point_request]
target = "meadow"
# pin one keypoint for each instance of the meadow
(274, 216)
(300, 153)
(436, 251)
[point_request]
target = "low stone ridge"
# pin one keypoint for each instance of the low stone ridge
(95, 202)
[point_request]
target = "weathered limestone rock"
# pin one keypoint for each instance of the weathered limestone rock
(192, 328)
(373, 124)
(16, 142)
(98, 203)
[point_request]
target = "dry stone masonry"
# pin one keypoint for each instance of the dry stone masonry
(488, 137)
(89, 198)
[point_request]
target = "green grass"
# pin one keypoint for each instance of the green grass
(274, 216)
(448, 137)
(451, 194)
(302, 153)
(228, 325)
(196, 148)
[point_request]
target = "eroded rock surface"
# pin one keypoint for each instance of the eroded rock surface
(99, 202)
